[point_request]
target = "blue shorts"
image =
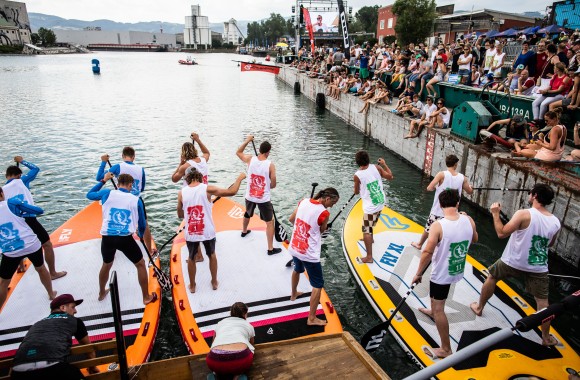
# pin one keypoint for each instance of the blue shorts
(314, 271)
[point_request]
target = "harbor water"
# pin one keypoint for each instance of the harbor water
(57, 114)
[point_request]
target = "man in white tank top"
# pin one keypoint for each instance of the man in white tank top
(449, 179)
(368, 182)
(261, 179)
(531, 231)
(310, 220)
(446, 249)
(195, 208)
(191, 159)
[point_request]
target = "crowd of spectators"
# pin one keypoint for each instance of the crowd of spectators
(545, 69)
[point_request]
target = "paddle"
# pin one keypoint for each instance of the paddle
(279, 232)
(113, 182)
(329, 226)
(374, 337)
(314, 184)
(162, 277)
(499, 188)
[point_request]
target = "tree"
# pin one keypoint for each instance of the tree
(47, 37)
(367, 17)
(35, 38)
(216, 43)
(415, 19)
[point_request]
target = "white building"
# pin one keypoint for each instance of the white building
(87, 37)
(14, 23)
(196, 32)
(231, 33)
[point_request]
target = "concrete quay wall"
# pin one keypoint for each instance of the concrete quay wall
(483, 169)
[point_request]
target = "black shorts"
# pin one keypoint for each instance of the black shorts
(439, 292)
(193, 246)
(125, 244)
(8, 265)
(37, 228)
(266, 210)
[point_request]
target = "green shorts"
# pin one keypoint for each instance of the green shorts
(364, 73)
(536, 283)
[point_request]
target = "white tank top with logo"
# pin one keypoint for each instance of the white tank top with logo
(450, 181)
(258, 188)
(449, 257)
(16, 238)
(200, 166)
(120, 214)
(306, 241)
(136, 172)
(17, 189)
(371, 189)
(197, 211)
(527, 249)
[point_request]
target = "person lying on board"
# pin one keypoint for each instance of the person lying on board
(195, 208)
(531, 231)
(18, 186)
(123, 215)
(310, 220)
(44, 350)
(18, 241)
(446, 249)
(232, 350)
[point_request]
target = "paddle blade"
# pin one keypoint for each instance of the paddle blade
(279, 232)
(163, 279)
(374, 337)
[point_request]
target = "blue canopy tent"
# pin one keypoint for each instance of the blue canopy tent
(508, 33)
(530, 30)
(491, 33)
(552, 29)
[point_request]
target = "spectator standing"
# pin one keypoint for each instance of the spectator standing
(464, 65)
(489, 55)
(498, 59)
(525, 58)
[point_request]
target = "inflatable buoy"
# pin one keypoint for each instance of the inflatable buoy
(320, 101)
(96, 68)
(268, 58)
(296, 88)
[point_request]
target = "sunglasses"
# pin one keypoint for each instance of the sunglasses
(439, 104)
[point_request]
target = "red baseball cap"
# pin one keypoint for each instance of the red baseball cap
(63, 299)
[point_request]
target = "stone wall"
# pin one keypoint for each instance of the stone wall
(484, 169)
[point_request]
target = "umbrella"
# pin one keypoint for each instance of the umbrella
(552, 29)
(507, 33)
(281, 44)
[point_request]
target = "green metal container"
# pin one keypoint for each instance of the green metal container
(468, 118)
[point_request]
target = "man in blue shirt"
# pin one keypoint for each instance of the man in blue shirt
(18, 186)
(527, 58)
(364, 65)
(123, 215)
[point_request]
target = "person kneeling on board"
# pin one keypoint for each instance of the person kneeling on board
(310, 220)
(447, 247)
(232, 350)
(195, 207)
(43, 352)
(123, 215)
(531, 232)
(17, 241)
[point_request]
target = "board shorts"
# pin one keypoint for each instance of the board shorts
(537, 284)
(229, 362)
(369, 222)
(208, 245)
(438, 292)
(125, 244)
(9, 265)
(364, 73)
(266, 210)
(314, 271)
(432, 219)
(38, 229)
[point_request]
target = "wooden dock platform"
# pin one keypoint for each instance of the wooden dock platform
(337, 355)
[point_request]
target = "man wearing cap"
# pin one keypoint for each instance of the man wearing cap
(526, 58)
(43, 352)
(515, 130)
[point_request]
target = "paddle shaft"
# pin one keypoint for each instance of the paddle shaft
(374, 337)
(341, 210)
(499, 188)
(113, 182)
(314, 184)
(171, 239)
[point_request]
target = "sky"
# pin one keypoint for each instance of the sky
(174, 11)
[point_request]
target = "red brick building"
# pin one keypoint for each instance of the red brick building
(386, 23)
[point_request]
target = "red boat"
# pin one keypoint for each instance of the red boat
(188, 61)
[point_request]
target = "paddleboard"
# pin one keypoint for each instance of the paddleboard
(77, 246)
(245, 274)
(389, 277)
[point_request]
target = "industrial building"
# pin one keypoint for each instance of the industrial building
(14, 23)
(231, 32)
(93, 36)
(197, 33)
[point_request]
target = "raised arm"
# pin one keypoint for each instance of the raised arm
(23, 209)
(202, 147)
(516, 222)
(33, 172)
(240, 152)
(384, 169)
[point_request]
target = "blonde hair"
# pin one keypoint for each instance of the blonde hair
(188, 151)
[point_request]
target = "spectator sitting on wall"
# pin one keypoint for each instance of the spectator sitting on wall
(510, 84)
(438, 77)
(515, 129)
(417, 125)
(381, 94)
(441, 117)
(425, 73)
(525, 84)
(575, 154)
(405, 97)
(413, 108)
(534, 135)
(572, 101)
(552, 146)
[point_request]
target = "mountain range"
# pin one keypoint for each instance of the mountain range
(40, 20)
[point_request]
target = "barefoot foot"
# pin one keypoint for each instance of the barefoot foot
(57, 275)
(551, 341)
(367, 260)
(427, 312)
(102, 295)
(475, 308)
(198, 258)
(215, 284)
(191, 288)
(53, 295)
(316, 322)
(437, 353)
(416, 245)
(152, 298)
(294, 296)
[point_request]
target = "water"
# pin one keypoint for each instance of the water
(57, 114)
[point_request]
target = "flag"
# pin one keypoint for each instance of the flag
(259, 67)
(343, 22)
(308, 23)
